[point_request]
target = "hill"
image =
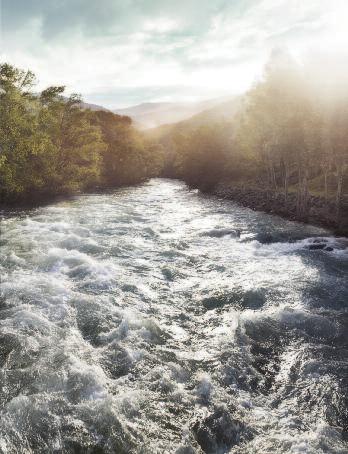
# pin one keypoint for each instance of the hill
(222, 113)
(152, 114)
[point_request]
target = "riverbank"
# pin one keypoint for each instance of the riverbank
(256, 198)
(36, 200)
(273, 202)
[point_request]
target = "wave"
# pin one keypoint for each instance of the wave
(172, 326)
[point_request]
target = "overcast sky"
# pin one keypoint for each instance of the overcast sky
(122, 52)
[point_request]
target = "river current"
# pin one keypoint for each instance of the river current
(154, 319)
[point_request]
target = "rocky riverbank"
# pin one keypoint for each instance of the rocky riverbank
(319, 212)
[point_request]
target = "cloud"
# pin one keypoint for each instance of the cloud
(105, 17)
(195, 48)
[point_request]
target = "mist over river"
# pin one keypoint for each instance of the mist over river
(154, 319)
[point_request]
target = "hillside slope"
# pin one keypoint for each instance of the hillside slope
(151, 115)
(222, 114)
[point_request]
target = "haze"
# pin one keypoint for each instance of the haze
(121, 52)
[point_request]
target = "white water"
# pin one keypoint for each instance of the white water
(156, 320)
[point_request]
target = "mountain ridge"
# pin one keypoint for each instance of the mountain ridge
(150, 115)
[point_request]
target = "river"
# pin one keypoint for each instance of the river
(154, 319)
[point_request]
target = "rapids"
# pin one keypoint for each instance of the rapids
(155, 320)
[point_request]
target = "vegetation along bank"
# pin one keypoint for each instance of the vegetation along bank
(281, 148)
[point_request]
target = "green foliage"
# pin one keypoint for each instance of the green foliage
(50, 145)
(127, 158)
(294, 134)
(202, 154)
(284, 136)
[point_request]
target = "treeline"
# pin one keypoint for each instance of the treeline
(288, 138)
(49, 145)
(285, 138)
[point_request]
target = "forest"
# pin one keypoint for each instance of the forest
(286, 140)
(50, 145)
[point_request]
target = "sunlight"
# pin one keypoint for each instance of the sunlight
(174, 226)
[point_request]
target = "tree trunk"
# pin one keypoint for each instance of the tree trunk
(299, 193)
(339, 192)
(274, 179)
(305, 193)
(326, 188)
(286, 183)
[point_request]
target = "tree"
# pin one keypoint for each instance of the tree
(21, 141)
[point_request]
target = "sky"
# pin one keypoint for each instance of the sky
(118, 53)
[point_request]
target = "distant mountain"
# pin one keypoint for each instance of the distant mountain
(223, 112)
(152, 114)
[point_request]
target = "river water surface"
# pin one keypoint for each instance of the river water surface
(157, 320)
